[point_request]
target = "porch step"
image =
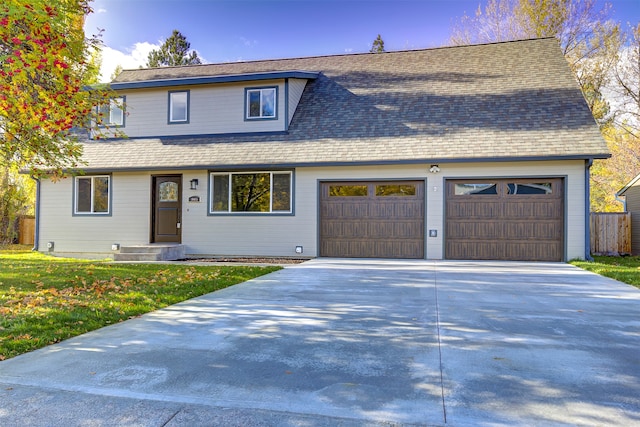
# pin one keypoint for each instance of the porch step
(152, 252)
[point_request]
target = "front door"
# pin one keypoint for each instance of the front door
(167, 213)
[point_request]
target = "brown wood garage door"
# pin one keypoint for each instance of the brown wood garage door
(505, 219)
(372, 219)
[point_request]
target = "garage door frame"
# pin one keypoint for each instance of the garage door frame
(564, 200)
(320, 182)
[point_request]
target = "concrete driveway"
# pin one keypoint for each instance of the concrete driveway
(354, 343)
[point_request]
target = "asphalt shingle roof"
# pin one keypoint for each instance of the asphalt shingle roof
(502, 101)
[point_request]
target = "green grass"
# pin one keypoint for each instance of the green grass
(44, 300)
(624, 269)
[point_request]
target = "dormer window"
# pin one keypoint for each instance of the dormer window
(178, 107)
(261, 103)
(111, 113)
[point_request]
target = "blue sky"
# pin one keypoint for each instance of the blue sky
(223, 30)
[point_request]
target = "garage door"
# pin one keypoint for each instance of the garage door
(372, 219)
(506, 219)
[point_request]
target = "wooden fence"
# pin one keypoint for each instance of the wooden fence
(610, 233)
(26, 230)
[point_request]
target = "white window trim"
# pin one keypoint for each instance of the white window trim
(230, 210)
(171, 120)
(114, 104)
(92, 193)
(261, 90)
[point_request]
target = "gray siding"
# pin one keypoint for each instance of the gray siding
(296, 87)
(633, 205)
(213, 109)
(269, 235)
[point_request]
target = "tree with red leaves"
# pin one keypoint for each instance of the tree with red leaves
(44, 67)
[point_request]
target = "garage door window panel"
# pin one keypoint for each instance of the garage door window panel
(402, 190)
(348, 191)
(529, 189)
(474, 189)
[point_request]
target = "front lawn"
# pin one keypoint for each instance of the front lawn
(624, 269)
(44, 300)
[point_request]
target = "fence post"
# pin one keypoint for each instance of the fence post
(26, 230)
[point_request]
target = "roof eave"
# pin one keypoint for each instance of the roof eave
(231, 78)
(350, 163)
(628, 186)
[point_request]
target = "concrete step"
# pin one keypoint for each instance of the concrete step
(152, 252)
(137, 257)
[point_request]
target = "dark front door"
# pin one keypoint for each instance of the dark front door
(167, 214)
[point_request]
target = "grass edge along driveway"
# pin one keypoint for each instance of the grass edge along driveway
(44, 299)
(623, 269)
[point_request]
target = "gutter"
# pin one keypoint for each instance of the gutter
(36, 237)
(587, 210)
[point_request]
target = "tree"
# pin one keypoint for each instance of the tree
(498, 22)
(116, 72)
(43, 68)
(378, 45)
(610, 175)
(588, 39)
(626, 85)
(16, 198)
(173, 52)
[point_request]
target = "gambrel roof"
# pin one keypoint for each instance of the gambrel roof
(494, 102)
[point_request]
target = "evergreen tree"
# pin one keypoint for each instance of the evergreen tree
(173, 52)
(116, 72)
(378, 45)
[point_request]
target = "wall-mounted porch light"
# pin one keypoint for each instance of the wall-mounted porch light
(194, 184)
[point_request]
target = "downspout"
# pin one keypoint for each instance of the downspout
(623, 201)
(587, 210)
(36, 234)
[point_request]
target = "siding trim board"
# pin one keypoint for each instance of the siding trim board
(286, 104)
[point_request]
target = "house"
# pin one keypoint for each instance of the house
(471, 152)
(631, 195)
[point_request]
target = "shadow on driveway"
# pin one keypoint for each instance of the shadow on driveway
(353, 343)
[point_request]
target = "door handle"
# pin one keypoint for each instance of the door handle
(178, 225)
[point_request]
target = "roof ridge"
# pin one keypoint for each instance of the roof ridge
(339, 55)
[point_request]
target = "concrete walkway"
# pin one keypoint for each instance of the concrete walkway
(353, 343)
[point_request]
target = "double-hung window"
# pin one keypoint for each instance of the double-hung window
(111, 113)
(261, 103)
(178, 107)
(92, 195)
(257, 192)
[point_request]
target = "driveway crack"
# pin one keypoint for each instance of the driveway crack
(435, 286)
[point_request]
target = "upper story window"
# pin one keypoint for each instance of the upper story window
(112, 113)
(91, 195)
(178, 107)
(261, 103)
